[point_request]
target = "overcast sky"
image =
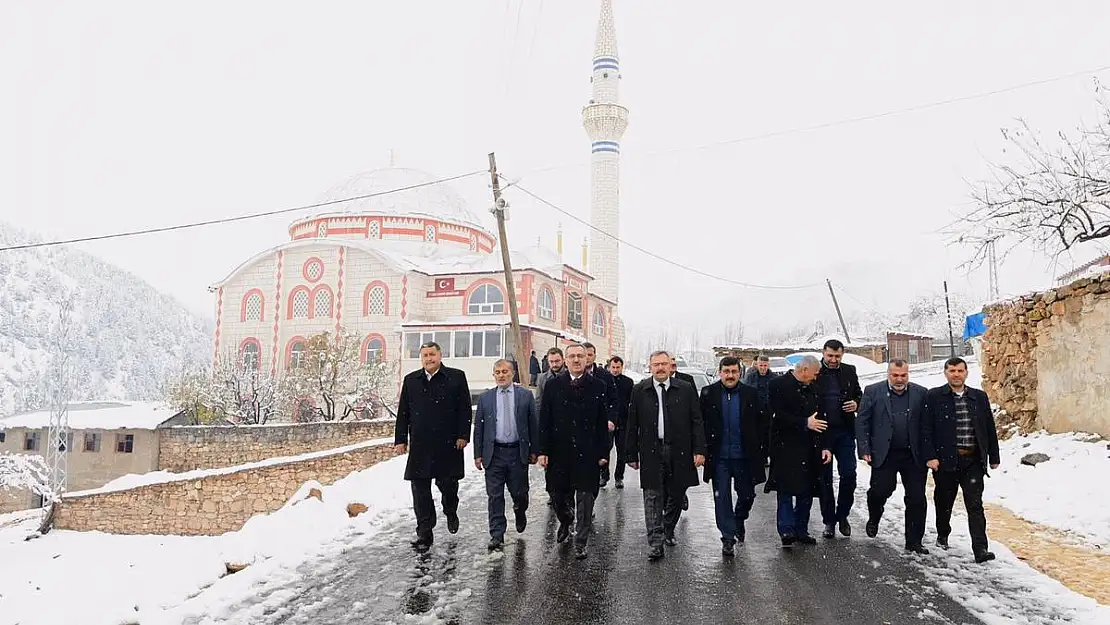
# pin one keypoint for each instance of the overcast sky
(125, 115)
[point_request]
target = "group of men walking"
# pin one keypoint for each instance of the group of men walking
(802, 422)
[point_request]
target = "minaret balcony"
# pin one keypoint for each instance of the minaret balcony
(605, 117)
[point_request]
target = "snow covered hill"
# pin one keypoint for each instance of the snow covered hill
(127, 339)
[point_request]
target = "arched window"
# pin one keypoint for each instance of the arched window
(297, 349)
(298, 304)
(545, 304)
(574, 311)
(376, 300)
(486, 300)
(321, 303)
(373, 349)
(252, 308)
(251, 355)
(599, 322)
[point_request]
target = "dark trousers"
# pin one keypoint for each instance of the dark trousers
(425, 508)
(729, 474)
(533, 380)
(577, 508)
(967, 477)
(616, 438)
(663, 506)
(505, 469)
(835, 507)
(793, 514)
(884, 479)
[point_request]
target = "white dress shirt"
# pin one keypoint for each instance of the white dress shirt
(659, 387)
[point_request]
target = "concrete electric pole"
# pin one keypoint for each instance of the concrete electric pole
(499, 206)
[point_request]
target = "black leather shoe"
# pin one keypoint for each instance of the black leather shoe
(580, 553)
(845, 528)
(521, 521)
(806, 539)
(830, 530)
(422, 543)
(602, 482)
(620, 483)
(942, 542)
(728, 546)
(872, 529)
(670, 540)
(983, 556)
(788, 539)
(453, 523)
(685, 502)
(562, 533)
(656, 553)
(495, 544)
(918, 549)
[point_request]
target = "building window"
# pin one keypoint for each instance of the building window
(545, 304)
(67, 443)
(298, 307)
(376, 300)
(485, 343)
(313, 268)
(912, 351)
(486, 300)
(413, 341)
(92, 442)
(374, 350)
(125, 443)
(252, 309)
(574, 310)
(599, 322)
(297, 349)
(464, 343)
(32, 441)
(252, 355)
(321, 303)
(3, 436)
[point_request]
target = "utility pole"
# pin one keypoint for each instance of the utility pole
(843, 326)
(499, 206)
(948, 310)
(992, 263)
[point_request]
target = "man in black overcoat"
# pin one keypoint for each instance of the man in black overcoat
(624, 394)
(666, 443)
(574, 442)
(433, 414)
(736, 444)
(795, 449)
(839, 393)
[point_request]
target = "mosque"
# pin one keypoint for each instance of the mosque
(419, 265)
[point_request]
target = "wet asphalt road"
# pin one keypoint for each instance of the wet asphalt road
(536, 581)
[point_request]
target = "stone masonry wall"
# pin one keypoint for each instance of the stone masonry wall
(1044, 357)
(210, 504)
(207, 447)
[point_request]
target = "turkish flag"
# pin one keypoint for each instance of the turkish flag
(445, 284)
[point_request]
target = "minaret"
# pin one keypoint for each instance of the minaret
(605, 121)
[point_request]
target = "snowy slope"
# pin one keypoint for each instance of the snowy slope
(127, 338)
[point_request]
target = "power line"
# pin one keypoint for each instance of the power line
(662, 258)
(225, 220)
(847, 120)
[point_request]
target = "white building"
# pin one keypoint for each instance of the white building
(408, 267)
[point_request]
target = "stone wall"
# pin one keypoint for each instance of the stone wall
(1044, 357)
(214, 503)
(206, 447)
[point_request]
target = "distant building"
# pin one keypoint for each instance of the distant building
(909, 346)
(1074, 274)
(107, 440)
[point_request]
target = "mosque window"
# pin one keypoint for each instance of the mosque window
(321, 303)
(376, 300)
(313, 269)
(375, 349)
(297, 351)
(545, 304)
(252, 306)
(574, 310)
(599, 322)
(252, 355)
(299, 307)
(486, 300)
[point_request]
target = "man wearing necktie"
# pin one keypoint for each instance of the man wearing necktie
(506, 435)
(665, 441)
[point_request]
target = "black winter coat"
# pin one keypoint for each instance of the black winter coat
(683, 430)
(938, 428)
(850, 390)
(624, 395)
(574, 432)
(431, 416)
(603, 374)
(754, 429)
(794, 449)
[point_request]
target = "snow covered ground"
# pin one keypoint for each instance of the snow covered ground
(95, 578)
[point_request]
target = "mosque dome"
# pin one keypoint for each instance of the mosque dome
(438, 200)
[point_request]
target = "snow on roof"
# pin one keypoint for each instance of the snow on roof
(102, 415)
(915, 335)
(803, 345)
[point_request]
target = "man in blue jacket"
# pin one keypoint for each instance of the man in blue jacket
(506, 436)
(888, 437)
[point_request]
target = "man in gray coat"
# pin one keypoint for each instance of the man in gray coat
(506, 435)
(888, 435)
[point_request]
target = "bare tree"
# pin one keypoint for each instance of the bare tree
(25, 472)
(1050, 198)
(193, 392)
(242, 393)
(334, 382)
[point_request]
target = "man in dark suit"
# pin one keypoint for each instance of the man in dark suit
(574, 439)
(434, 410)
(736, 447)
(533, 368)
(666, 443)
(888, 435)
(685, 377)
(624, 394)
(506, 433)
(838, 392)
(960, 440)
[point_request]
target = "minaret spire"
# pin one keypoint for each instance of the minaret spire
(605, 121)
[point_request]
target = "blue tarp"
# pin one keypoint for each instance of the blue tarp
(975, 325)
